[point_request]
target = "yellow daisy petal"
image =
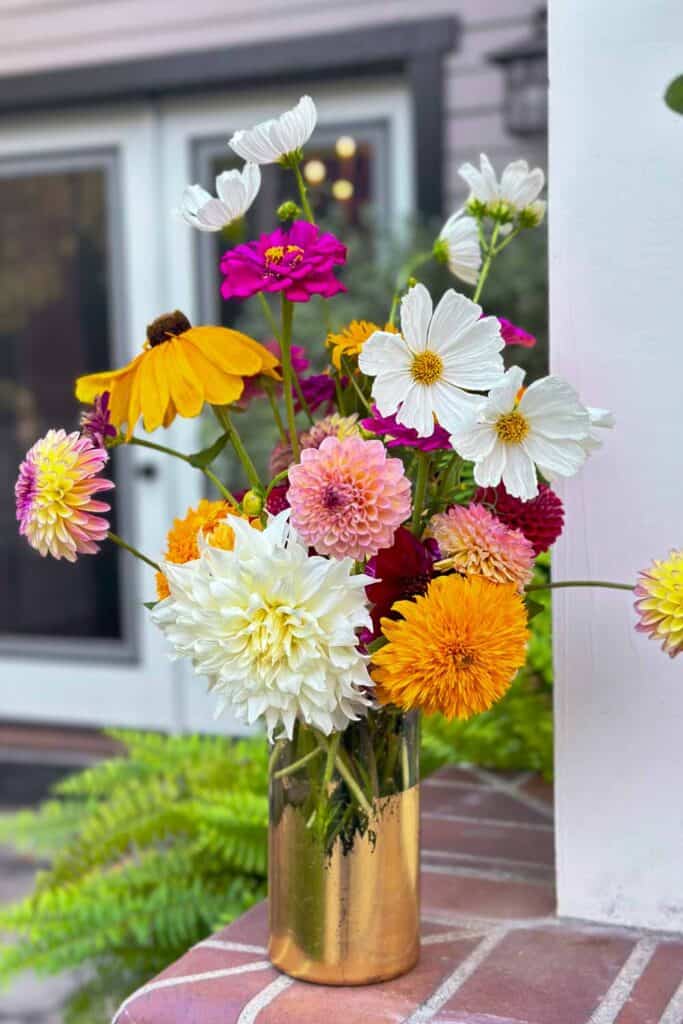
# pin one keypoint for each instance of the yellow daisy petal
(154, 393)
(187, 390)
(219, 388)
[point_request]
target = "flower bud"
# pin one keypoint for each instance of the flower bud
(531, 216)
(440, 250)
(501, 211)
(288, 211)
(252, 503)
(475, 207)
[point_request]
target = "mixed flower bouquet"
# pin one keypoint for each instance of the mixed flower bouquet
(384, 566)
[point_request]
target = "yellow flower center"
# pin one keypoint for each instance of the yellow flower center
(275, 254)
(512, 427)
(426, 368)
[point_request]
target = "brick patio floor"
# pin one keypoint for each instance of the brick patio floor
(492, 950)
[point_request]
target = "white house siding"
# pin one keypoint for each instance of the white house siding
(40, 35)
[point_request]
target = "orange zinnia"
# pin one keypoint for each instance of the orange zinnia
(180, 368)
(456, 650)
(182, 540)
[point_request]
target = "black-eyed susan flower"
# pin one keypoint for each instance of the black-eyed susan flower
(455, 650)
(179, 369)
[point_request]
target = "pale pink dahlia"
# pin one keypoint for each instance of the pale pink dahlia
(475, 543)
(334, 425)
(659, 602)
(55, 489)
(347, 497)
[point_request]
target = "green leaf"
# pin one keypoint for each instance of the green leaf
(204, 458)
(533, 608)
(150, 604)
(673, 97)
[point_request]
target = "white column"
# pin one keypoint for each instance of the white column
(616, 285)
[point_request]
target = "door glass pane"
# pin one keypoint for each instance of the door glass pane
(55, 315)
(346, 173)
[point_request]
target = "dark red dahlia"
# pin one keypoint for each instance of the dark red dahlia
(541, 520)
(277, 499)
(403, 571)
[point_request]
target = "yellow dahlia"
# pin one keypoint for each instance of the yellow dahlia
(179, 369)
(455, 650)
(349, 341)
(182, 541)
(659, 602)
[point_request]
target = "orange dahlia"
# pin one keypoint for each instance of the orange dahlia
(455, 650)
(182, 541)
(179, 369)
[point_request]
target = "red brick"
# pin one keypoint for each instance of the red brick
(478, 802)
(211, 1001)
(205, 958)
(371, 1004)
(534, 846)
(655, 987)
(540, 977)
(456, 774)
(477, 897)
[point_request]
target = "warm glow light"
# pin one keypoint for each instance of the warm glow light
(342, 189)
(345, 146)
(314, 171)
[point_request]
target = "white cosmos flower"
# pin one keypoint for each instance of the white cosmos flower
(272, 628)
(424, 371)
(547, 427)
(599, 418)
(460, 240)
(519, 187)
(268, 141)
(236, 191)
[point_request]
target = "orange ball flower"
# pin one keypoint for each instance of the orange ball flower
(182, 541)
(456, 650)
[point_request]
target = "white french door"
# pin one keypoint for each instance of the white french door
(93, 192)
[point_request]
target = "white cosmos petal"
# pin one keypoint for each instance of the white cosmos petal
(455, 409)
(475, 442)
(488, 470)
(474, 360)
(501, 399)
(416, 312)
(489, 176)
(452, 316)
(389, 389)
(563, 457)
(461, 235)
(519, 475)
(236, 192)
(520, 186)
(601, 417)
(416, 411)
(266, 142)
(383, 351)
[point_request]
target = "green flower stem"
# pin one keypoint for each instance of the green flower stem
(296, 765)
(209, 474)
(355, 383)
(304, 404)
(510, 238)
(275, 753)
(270, 392)
(354, 788)
(287, 373)
(391, 759)
(332, 750)
(243, 455)
(580, 583)
(423, 461)
(133, 551)
(303, 192)
(486, 266)
(268, 314)
(339, 394)
(277, 480)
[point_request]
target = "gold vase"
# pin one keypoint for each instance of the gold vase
(344, 853)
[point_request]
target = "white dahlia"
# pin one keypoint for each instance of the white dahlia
(273, 629)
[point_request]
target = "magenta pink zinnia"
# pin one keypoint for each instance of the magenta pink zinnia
(298, 261)
(96, 422)
(348, 499)
(56, 508)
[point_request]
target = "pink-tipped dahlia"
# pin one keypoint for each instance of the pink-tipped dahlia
(475, 543)
(659, 602)
(96, 422)
(541, 519)
(347, 497)
(55, 489)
